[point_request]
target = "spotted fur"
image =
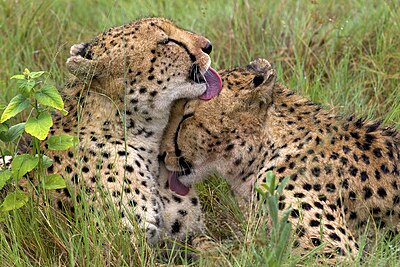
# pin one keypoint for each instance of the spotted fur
(343, 172)
(119, 102)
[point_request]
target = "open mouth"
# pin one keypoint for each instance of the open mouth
(211, 78)
(175, 185)
(173, 178)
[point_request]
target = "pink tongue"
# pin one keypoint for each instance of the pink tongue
(176, 186)
(214, 84)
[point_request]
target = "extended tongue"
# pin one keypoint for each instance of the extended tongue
(176, 186)
(213, 83)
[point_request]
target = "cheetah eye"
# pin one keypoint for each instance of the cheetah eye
(166, 41)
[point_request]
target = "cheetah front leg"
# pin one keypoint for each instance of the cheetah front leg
(139, 205)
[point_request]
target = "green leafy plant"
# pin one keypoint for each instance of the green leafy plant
(39, 98)
(281, 228)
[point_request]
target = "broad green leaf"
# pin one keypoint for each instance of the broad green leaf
(47, 162)
(48, 95)
(3, 128)
(18, 77)
(54, 181)
(37, 74)
(39, 127)
(25, 86)
(61, 142)
(13, 133)
(23, 164)
(5, 175)
(16, 105)
(13, 201)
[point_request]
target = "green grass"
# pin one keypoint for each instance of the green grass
(343, 54)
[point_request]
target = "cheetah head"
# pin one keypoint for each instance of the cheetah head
(205, 137)
(151, 61)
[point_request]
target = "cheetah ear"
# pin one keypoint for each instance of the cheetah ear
(264, 80)
(80, 62)
(259, 65)
(264, 91)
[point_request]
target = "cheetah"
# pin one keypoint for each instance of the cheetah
(119, 101)
(342, 172)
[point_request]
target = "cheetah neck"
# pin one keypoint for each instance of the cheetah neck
(96, 114)
(289, 119)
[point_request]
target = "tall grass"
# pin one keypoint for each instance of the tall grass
(343, 54)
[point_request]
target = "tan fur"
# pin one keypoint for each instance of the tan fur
(127, 79)
(343, 171)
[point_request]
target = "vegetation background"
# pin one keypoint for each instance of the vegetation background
(342, 54)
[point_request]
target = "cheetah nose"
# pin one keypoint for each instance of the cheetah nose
(208, 48)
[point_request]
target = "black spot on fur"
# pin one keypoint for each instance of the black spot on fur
(317, 187)
(377, 152)
(294, 213)
(316, 171)
(316, 242)
(382, 192)
(367, 192)
(177, 199)
(307, 186)
(299, 195)
(314, 223)
(345, 184)
(290, 187)
(334, 237)
(353, 170)
(318, 205)
(365, 158)
(305, 206)
(128, 168)
(330, 217)
(384, 169)
(330, 187)
(175, 227)
(194, 201)
(364, 176)
(300, 231)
